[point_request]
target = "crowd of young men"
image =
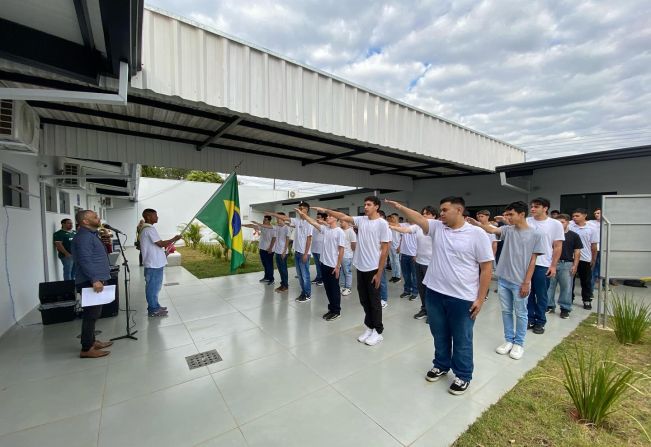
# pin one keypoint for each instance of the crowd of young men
(447, 260)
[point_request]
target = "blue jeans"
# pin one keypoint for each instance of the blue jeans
(537, 305)
(303, 272)
(268, 264)
(408, 267)
(346, 274)
(564, 279)
(282, 269)
(394, 259)
(451, 326)
(317, 264)
(153, 284)
(512, 303)
(68, 268)
(384, 287)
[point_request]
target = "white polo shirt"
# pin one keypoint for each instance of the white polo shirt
(370, 236)
(281, 234)
(552, 231)
(153, 256)
(423, 245)
(456, 255)
(350, 238)
(266, 235)
(333, 238)
(588, 237)
(408, 247)
(301, 232)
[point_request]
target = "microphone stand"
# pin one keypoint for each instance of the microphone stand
(127, 280)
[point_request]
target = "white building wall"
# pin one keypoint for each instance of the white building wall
(177, 201)
(21, 250)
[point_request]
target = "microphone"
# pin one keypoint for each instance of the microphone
(115, 230)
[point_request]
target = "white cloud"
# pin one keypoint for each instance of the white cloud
(524, 72)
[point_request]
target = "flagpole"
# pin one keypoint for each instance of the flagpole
(208, 201)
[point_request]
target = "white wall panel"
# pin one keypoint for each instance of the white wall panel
(184, 59)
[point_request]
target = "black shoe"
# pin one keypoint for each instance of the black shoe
(271, 282)
(318, 283)
(550, 310)
(405, 294)
(538, 329)
(263, 280)
(587, 305)
(530, 325)
(413, 297)
(300, 297)
(303, 299)
(565, 314)
(314, 281)
(421, 314)
(458, 387)
(326, 315)
(333, 316)
(434, 374)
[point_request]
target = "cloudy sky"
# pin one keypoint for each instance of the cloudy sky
(554, 77)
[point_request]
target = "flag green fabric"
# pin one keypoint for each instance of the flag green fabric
(222, 215)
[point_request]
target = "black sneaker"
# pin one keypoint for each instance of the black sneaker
(421, 314)
(405, 294)
(434, 374)
(565, 314)
(300, 297)
(458, 387)
(326, 315)
(413, 297)
(550, 310)
(303, 299)
(271, 282)
(538, 329)
(530, 325)
(333, 316)
(314, 281)
(263, 280)
(318, 283)
(587, 305)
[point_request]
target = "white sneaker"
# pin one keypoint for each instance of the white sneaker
(517, 352)
(374, 338)
(367, 333)
(504, 348)
(384, 304)
(345, 292)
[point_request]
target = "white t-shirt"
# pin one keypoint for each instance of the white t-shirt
(408, 246)
(395, 242)
(370, 236)
(153, 256)
(588, 237)
(552, 231)
(423, 245)
(596, 226)
(301, 232)
(333, 238)
(317, 243)
(281, 238)
(266, 235)
(456, 255)
(350, 237)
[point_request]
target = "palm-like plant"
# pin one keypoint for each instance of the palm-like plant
(629, 319)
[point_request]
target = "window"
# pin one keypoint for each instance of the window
(14, 188)
(50, 199)
(64, 202)
(589, 201)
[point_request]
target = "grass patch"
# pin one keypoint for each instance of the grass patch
(539, 412)
(202, 265)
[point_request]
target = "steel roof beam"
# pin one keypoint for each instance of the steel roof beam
(221, 131)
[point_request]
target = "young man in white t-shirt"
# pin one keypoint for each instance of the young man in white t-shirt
(423, 255)
(154, 260)
(281, 246)
(265, 247)
(302, 250)
(407, 250)
(457, 282)
(589, 239)
(596, 224)
(317, 248)
(373, 239)
(346, 276)
(394, 256)
(332, 254)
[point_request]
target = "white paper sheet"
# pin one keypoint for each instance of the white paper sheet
(90, 298)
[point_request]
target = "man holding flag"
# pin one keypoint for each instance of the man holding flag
(221, 214)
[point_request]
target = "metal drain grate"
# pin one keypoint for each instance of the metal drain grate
(167, 284)
(203, 359)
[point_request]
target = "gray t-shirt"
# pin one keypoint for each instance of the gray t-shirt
(517, 249)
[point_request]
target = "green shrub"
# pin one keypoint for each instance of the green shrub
(192, 235)
(596, 384)
(629, 319)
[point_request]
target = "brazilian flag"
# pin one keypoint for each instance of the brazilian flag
(222, 215)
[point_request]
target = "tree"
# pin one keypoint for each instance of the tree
(204, 176)
(181, 174)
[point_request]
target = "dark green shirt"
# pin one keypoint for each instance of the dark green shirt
(65, 237)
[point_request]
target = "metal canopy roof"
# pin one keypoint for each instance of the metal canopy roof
(82, 39)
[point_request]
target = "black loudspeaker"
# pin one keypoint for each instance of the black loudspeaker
(111, 309)
(58, 301)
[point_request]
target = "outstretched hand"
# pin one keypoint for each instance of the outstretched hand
(472, 221)
(392, 203)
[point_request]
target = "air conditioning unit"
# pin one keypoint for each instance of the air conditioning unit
(19, 127)
(71, 169)
(107, 202)
(292, 194)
